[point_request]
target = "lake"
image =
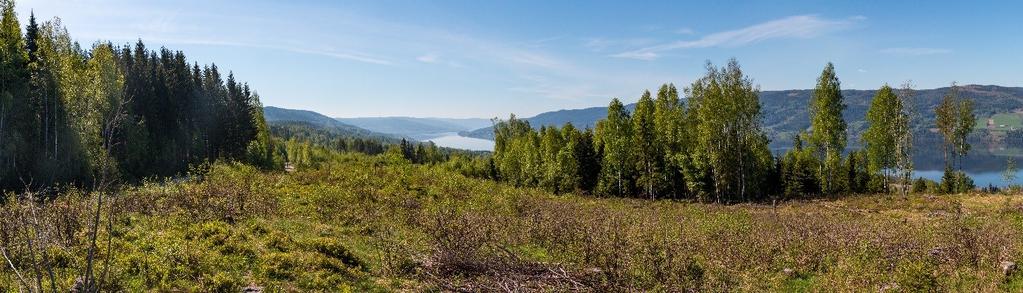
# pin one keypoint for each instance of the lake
(453, 140)
(981, 179)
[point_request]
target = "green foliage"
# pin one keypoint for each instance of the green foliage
(798, 171)
(559, 160)
(829, 130)
(369, 223)
(955, 120)
(953, 182)
(70, 115)
(672, 137)
(614, 139)
(828, 135)
(648, 152)
(886, 118)
(729, 139)
(17, 126)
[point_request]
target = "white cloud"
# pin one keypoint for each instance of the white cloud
(605, 44)
(793, 27)
(638, 55)
(861, 70)
(915, 51)
(428, 58)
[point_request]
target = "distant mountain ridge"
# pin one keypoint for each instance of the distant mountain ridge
(581, 118)
(276, 115)
(785, 111)
(413, 126)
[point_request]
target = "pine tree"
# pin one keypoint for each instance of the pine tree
(828, 135)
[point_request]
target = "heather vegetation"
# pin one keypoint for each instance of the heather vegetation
(379, 223)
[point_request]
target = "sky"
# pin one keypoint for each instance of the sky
(484, 59)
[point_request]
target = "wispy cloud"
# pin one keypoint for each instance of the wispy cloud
(428, 58)
(606, 44)
(685, 31)
(350, 56)
(915, 51)
(793, 27)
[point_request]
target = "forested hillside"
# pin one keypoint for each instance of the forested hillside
(281, 116)
(74, 115)
(785, 112)
(415, 126)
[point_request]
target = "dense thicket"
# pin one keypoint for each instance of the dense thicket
(69, 114)
(711, 147)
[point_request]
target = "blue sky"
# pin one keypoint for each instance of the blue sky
(490, 58)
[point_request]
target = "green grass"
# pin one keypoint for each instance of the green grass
(365, 224)
(1002, 122)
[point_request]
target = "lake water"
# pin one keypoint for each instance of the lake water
(980, 179)
(453, 140)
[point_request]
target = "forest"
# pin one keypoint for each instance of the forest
(76, 116)
(131, 169)
(710, 146)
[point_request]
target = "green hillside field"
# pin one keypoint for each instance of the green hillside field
(363, 223)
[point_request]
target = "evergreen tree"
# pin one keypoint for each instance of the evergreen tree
(17, 125)
(798, 170)
(31, 34)
(588, 161)
(828, 129)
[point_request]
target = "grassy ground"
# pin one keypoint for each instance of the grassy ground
(370, 224)
(1002, 122)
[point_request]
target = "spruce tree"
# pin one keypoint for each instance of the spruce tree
(17, 124)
